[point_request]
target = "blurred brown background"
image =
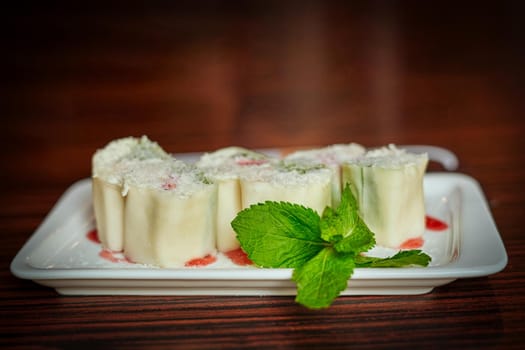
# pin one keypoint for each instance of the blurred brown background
(199, 75)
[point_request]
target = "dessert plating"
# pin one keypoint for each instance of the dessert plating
(161, 211)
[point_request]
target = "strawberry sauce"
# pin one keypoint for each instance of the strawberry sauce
(106, 254)
(251, 161)
(93, 236)
(113, 257)
(431, 224)
(435, 224)
(238, 257)
(412, 243)
(199, 262)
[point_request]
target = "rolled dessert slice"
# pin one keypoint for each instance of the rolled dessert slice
(108, 167)
(169, 215)
(388, 185)
(295, 182)
(224, 167)
(332, 157)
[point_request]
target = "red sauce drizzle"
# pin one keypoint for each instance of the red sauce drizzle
(238, 257)
(208, 259)
(251, 161)
(109, 255)
(169, 186)
(93, 236)
(435, 224)
(412, 243)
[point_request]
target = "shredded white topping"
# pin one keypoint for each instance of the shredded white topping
(231, 162)
(171, 176)
(329, 155)
(109, 162)
(289, 174)
(389, 157)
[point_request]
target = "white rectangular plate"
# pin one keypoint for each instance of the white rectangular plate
(60, 254)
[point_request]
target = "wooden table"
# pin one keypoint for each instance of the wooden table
(261, 74)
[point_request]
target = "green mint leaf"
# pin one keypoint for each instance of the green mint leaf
(279, 234)
(339, 223)
(321, 280)
(330, 230)
(403, 258)
(345, 228)
(360, 240)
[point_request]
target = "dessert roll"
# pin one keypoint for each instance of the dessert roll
(109, 165)
(170, 214)
(332, 157)
(388, 185)
(296, 182)
(224, 167)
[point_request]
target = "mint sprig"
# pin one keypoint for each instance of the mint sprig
(321, 279)
(403, 258)
(279, 234)
(323, 251)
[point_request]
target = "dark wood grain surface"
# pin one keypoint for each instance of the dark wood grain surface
(204, 75)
